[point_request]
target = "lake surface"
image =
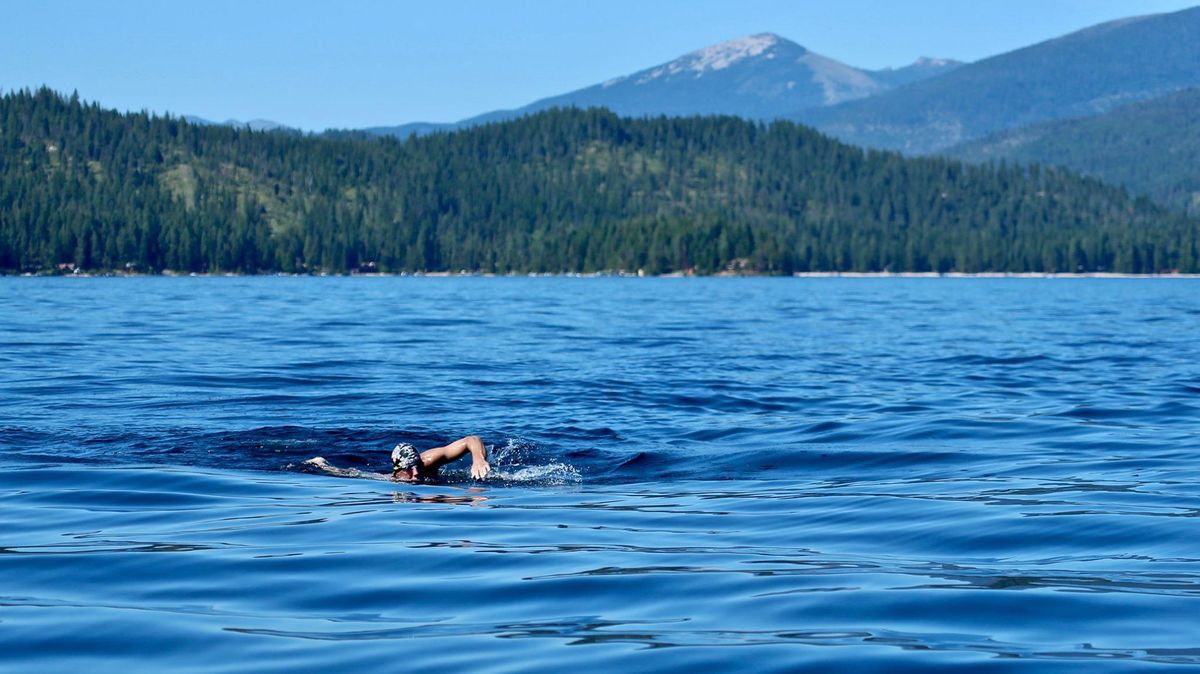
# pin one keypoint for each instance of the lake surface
(735, 475)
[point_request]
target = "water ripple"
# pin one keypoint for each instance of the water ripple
(766, 475)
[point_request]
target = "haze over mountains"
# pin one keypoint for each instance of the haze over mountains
(761, 76)
(1151, 147)
(922, 108)
(1034, 104)
(253, 125)
(559, 188)
(1084, 73)
(935, 104)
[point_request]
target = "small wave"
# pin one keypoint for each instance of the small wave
(1098, 413)
(980, 359)
(572, 431)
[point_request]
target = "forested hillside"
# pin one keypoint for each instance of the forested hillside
(563, 190)
(1151, 147)
(1087, 72)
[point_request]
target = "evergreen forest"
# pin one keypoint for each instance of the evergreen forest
(565, 190)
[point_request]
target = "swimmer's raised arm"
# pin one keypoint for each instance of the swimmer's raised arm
(439, 456)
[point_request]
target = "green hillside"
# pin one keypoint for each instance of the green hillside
(563, 190)
(1152, 147)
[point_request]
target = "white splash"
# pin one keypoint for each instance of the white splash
(546, 475)
(511, 462)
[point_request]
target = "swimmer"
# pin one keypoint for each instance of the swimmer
(410, 466)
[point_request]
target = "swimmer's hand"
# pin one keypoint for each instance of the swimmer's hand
(480, 469)
(320, 462)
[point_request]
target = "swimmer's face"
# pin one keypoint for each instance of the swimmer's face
(407, 474)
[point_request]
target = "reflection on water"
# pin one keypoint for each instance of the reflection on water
(476, 498)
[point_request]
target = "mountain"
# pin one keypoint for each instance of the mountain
(253, 125)
(1084, 73)
(1151, 147)
(760, 76)
(923, 68)
(562, 190)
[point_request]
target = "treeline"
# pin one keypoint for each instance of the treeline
(565, 190)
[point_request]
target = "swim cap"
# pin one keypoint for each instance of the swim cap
(405, 456)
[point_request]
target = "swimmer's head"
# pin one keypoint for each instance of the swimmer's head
(405, 457)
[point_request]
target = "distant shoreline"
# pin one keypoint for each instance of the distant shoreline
(1065, 275)
(622, 274)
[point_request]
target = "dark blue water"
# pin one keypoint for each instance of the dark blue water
(758, 475)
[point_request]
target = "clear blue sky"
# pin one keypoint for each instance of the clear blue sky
(358, 63)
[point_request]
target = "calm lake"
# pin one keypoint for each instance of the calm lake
(732, 475)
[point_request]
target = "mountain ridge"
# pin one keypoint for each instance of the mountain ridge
(1085, 72)
(253, 124)
(761, 76)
